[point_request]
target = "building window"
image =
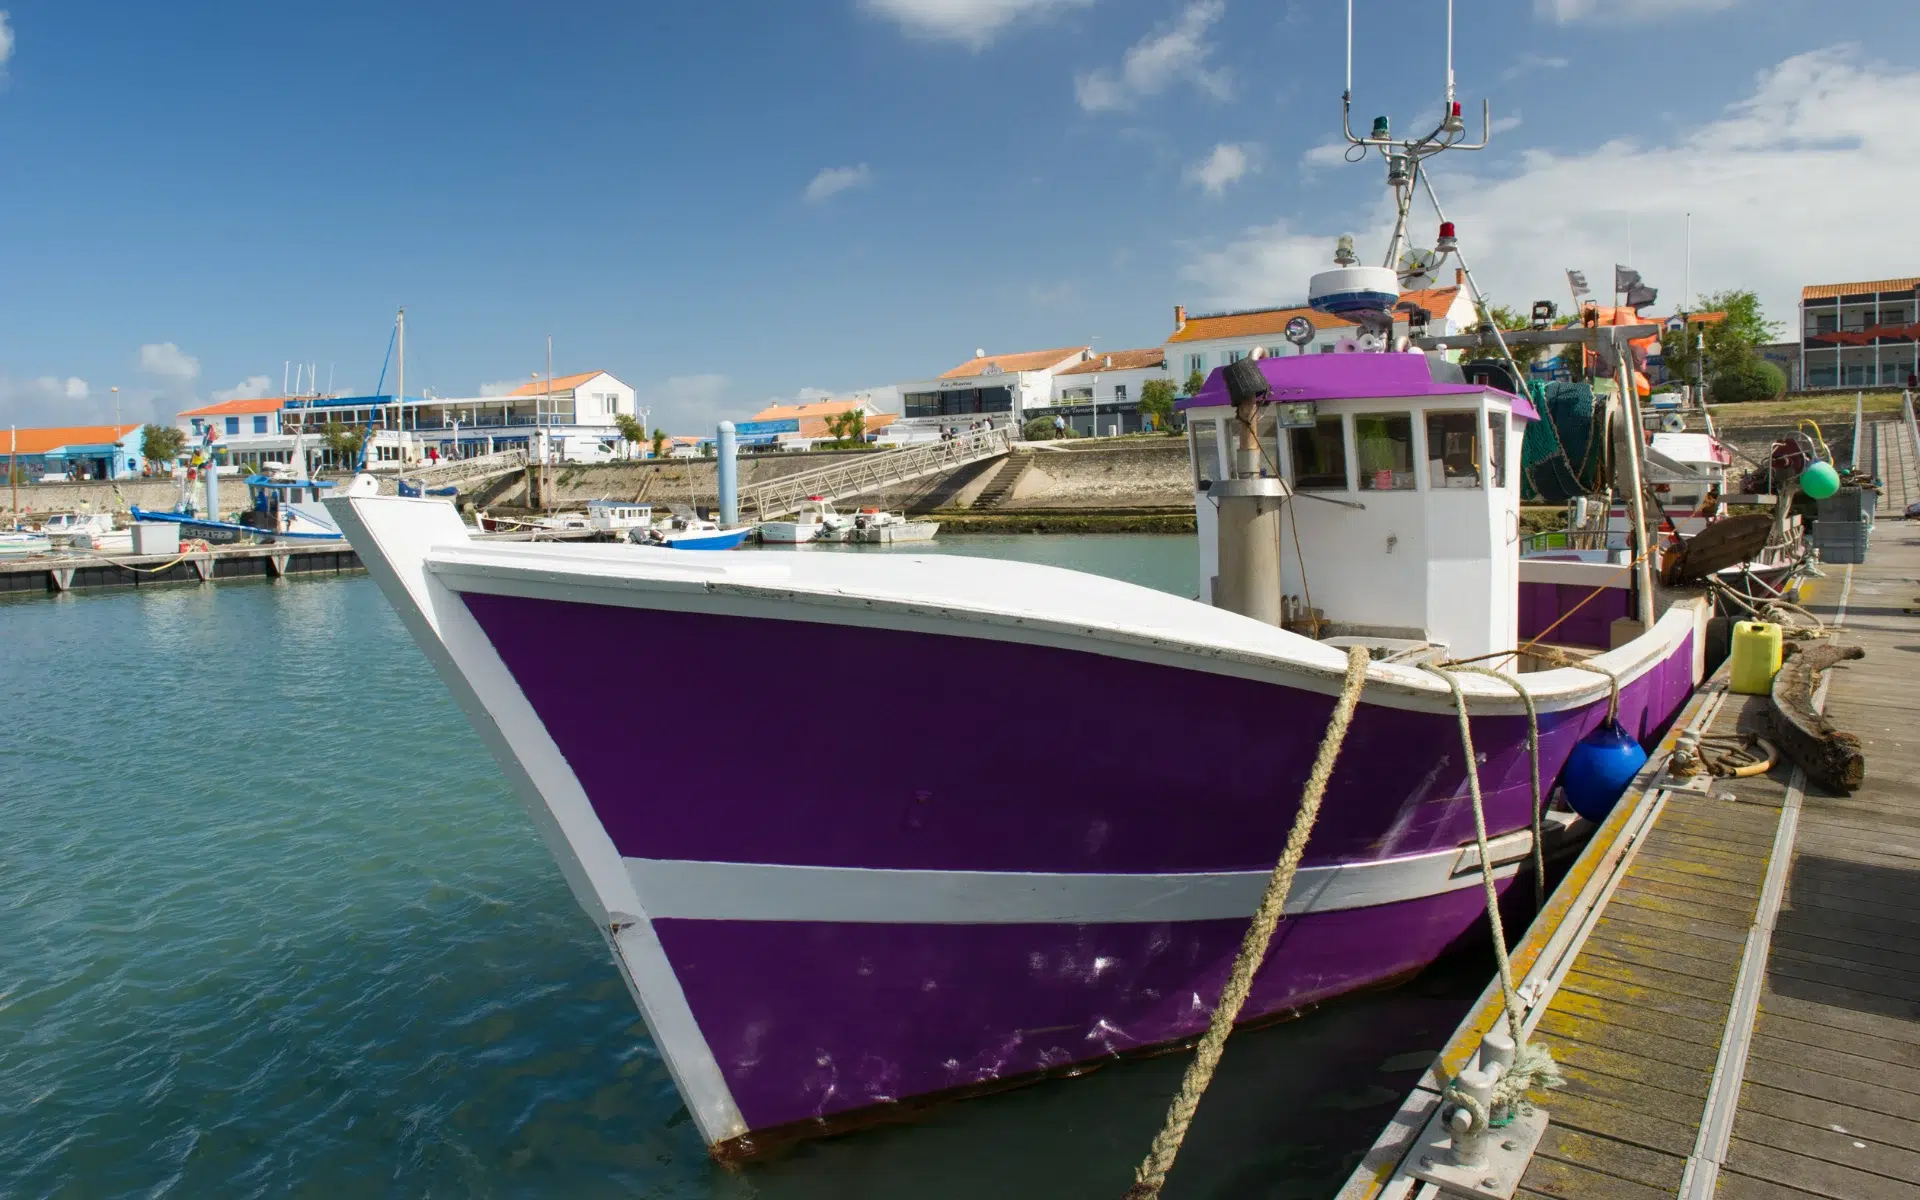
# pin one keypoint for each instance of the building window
(1319, 456)
(1453, 449)
(1076, 395)
(1326, 348)
(1196, 362)
(259, 424)
(1233, 356)
(233, 425)
(1384, 444)
(1119, 393)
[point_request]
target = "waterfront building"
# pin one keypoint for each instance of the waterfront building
(799, 426)
(573, 417)
(1860, 335)
(1100, 394)
(1000, 389)
(76, 452)
(1202, 341)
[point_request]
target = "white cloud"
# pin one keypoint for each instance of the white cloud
(687, 404)
(253, 387)
(6, 41)
(1228, 164)
(1758, 180)
(1530, 62)
(166, 360)
(972, 23)
(1171, 54)
(70, 400)
(1326, 154)
(501, 387)
(831, 181)
(1624, 11)
(75, 388)
(1504, 124)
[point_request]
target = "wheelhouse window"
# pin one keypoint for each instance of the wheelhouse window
(1319, 456)
(1453, 449)
(1497, 446)
(1383, 442)
(1203, 435)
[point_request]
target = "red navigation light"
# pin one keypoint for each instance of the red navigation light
(1446, 229)
(1456, 108)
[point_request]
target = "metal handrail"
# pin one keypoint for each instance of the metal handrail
(870, 472)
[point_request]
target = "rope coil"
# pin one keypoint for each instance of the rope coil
(1151, 1175)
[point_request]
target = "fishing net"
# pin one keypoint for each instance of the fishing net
(1565, 452)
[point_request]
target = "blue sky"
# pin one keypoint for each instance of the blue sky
(729, 203)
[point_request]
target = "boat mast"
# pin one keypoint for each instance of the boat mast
(400, 381)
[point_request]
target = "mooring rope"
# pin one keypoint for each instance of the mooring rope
(1536, 812)
(1151, 1175)
(1533, 1066)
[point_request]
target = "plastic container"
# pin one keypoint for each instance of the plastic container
(1756, 657)
(156, 537)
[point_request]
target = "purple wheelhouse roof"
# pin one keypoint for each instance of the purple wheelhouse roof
(1361, 376)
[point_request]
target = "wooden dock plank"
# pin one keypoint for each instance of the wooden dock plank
(1829, 1116)
(1587, 987)
(1557, 1179)
(1841, 1149)
(1612, 1156)
(1813, 1176)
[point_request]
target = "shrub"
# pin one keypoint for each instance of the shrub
(1752, 379)
(1040, 429)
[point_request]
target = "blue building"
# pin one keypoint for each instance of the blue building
(76, 452)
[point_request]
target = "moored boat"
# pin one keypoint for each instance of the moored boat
(815, 519)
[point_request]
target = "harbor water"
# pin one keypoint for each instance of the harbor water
(273, 925)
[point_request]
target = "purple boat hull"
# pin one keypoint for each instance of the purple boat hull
(998, 836)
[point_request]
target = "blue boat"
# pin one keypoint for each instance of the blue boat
(282, 510)
(685, 531)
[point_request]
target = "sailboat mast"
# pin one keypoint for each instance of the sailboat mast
(400, 380)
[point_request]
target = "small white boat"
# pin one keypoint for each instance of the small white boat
(876, 527)
(687, 531)
(60, 526)
(815, 519)
(19, 543)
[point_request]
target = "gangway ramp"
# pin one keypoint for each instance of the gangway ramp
(871, 472)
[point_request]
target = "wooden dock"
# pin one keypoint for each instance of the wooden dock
(79, 571)
(1731, 981)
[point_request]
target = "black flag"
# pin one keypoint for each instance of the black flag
(1625, 279)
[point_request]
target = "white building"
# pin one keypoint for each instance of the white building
(1000, 389)
(1100, 394)
(1204, 341)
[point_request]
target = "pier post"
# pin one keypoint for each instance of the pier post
(203, 566)
(728, 454)
(62, 578)
(277, 565)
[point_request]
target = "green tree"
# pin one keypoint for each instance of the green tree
(632, 432)
(1039, 429)
(659, 443)
(1728, 343)
(1753, 379)
(1196, 380)
(1156, 402)
(848, 428)
(344, 440)
(160, 444)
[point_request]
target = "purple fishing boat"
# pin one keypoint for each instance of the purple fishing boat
(818, 941)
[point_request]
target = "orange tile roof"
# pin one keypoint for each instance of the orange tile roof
(811, 408)
(1030, 360)
(1437, 301)
(561, 383)
(1823, 291)
(1254, 323)
(232, 408)
(1118, 360)
(39, 441)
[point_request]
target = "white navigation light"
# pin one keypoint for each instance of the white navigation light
(1354, 289)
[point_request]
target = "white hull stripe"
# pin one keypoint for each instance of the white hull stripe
(724, 891)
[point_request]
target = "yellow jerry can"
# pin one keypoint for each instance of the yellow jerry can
(1756, 656)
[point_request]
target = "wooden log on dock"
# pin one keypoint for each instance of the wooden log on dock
(1828, 755)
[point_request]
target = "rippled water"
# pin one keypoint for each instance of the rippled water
(271, 924)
